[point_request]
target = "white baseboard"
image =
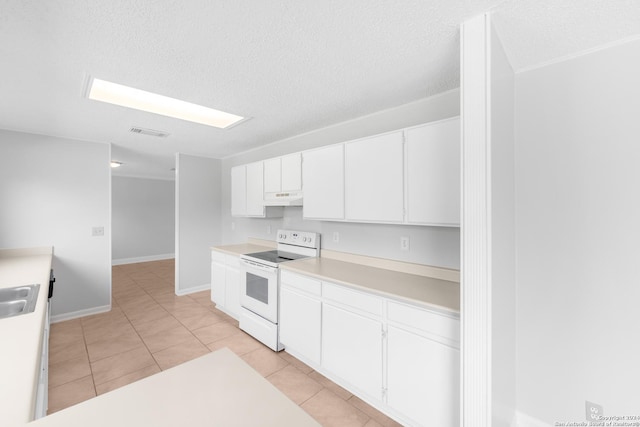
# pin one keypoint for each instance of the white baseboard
(193, 290)
(80, 313)
(136, 260)
(524, 420)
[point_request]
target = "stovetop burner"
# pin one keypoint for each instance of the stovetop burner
(275, 256)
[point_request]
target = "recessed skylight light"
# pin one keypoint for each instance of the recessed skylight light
(126, 96)
(115, 164)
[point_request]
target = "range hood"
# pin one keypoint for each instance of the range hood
(283, 199)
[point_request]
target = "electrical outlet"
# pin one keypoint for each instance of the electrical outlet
(336, 237)
(268, 229)
(593, 411)
(404, 243)
(97, 231)
(233, 226)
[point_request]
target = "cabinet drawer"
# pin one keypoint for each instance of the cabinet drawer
(218, 257)
(302, 283)
(359, 300)
(424, 320)
(232, 261)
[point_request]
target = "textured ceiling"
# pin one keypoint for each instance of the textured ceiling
(290, 65)
(541, 31)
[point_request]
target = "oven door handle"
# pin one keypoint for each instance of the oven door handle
(251, 264)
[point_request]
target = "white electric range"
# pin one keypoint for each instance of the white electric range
(260, 283)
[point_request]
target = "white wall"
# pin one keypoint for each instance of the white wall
(578, 228)
(143, 219)
(429, 245)
(53, 191)
(503, 276)
(197, 220)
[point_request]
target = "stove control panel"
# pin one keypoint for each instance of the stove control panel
(299, 238)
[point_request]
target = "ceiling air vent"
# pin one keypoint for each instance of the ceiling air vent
(149, 132)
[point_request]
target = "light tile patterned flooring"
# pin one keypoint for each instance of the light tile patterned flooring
(150, 329)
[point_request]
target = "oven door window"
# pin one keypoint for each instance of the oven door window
(258, 288)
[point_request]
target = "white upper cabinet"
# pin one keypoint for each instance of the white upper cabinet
(255, 189)
(283, 174)
(272, 175)
(323, 177)
(292, 172)
(410, 176)
(239, 191)
(247, 192)
(433, 173)
(374, 181)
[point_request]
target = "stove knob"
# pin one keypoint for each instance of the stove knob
(304, 239)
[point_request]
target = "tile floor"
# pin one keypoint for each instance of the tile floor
(149, 329)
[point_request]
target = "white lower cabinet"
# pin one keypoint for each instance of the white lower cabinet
(300, 324)
(423, 379)
(402, 359)
(218, 282)
(225, 283)
(301, 316)
(42, 391)
(232, 291)
(352, 349)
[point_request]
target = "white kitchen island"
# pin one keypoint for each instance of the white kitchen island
(217, 389)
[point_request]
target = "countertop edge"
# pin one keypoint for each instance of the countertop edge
(294, 266)
(291, 266)
(25, 331)
(241, 248)
(214, 381)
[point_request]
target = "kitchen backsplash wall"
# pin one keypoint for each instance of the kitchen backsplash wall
(437, 246)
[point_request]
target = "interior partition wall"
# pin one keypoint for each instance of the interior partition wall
(488, 285)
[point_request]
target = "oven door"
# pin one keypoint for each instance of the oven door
(259, 289)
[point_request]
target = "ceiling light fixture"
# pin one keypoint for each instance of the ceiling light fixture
(113, 93)
(116, 164)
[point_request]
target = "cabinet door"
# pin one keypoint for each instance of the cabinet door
(423, 378)
(255, 189)
(218, 283)
(232, 292)
(352, 349)
(272, 175)
(323, 178)
(374, 179)
(433, 173)
(291, 172)
(300, 318)
(238, 191)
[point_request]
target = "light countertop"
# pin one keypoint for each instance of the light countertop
(21, 336)
(429, 292)
(217, 389)
(242, 248)
(425, 291)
